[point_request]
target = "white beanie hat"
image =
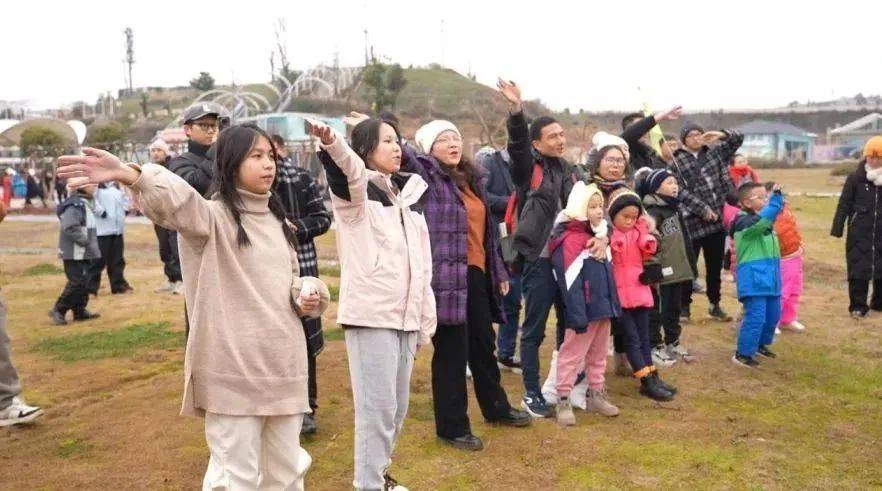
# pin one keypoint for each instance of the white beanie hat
(160, 144)
(603, 139)
(428, 133)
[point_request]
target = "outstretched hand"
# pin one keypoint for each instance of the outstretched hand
(94, 167)
(320, 130)
(669, 115)
(511, 92)
(354, 118)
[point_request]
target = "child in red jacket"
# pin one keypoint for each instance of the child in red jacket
(631, 244)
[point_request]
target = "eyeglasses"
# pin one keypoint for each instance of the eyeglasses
(206, 127)
(614, 160)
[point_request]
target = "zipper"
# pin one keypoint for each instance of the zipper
(873, 242)
(409, 266)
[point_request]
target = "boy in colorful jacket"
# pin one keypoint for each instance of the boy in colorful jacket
(759, 271)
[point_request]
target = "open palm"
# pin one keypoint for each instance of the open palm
(94, 167)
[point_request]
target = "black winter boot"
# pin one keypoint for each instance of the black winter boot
(664, 385)
(650, 387)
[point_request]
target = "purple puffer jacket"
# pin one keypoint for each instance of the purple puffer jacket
(448, 228)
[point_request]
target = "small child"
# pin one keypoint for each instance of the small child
(759, 271)
(792, 251)
(111, 206)
(741, 173)
(77, 247)
(632, 244)
(589, 293)
(673, 255)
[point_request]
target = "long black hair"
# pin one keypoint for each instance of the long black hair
(233, 146)
(366, 137)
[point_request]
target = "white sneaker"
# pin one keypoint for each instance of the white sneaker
(19, 413)
(777, 331)
(468, 372)
(661, 357)
(794, 326)
(579, 395)
(166, 287)
(178, 288)
(549, 388)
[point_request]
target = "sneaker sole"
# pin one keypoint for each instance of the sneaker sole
(23, 420)
(525, 407)
(506, 368)
(742, 364)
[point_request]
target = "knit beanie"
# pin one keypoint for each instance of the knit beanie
(622, 197)
(603, 139)
(428, 133)
(577, 203)
(873, 148)
(687, 127)
(160, 144)
(655, 179)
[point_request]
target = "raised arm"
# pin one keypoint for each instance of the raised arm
(729, 145)
(165, 198)
(347, 174)
(519, 148)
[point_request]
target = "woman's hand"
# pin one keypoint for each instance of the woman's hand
(504, 288)
(354, 118)
(669, 115)
(320, 130)
(94, 167)
(308, 304)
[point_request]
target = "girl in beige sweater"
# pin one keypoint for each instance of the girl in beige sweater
(245, 366)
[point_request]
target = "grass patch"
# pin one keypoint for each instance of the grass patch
(332, 270)
(110, 344)
(72, 447)
(43, 269)
(334, 334)
(334, 290)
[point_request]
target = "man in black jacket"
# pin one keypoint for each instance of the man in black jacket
(635, 127)
(543, 180)
(202, 123)
(305, 209)
(499, 188)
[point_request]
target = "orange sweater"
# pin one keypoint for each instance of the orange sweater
(476, 215)
(788, 232)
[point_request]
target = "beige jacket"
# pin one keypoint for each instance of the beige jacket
(246, 354)
(384, 249)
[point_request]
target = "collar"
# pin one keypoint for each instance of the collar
(253, 203)
(410, 187)
(198, 148)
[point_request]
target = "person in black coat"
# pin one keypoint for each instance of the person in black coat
(860, 207)
(635, 127)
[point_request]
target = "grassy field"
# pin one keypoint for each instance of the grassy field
(112, 389)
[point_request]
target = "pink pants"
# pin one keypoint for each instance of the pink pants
(791, 288)
(588, 350)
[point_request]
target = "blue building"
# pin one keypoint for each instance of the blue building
(776, 141)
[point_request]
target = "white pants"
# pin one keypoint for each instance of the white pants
(254, 452)
(380, 364)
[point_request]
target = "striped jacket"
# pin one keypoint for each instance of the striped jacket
(302, 200)
(705, 182)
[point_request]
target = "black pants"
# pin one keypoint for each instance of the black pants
(168, 252)
(635, 329)
(75, 295)
(312, 384)
(666, 314)
(112, 256)
(712, 246)
(857, 295)
(472, 343)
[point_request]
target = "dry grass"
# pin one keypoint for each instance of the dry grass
(808, 419)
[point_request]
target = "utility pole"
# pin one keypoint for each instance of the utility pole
(130, 54)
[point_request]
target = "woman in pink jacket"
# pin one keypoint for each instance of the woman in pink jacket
(387, 308)
(632, 244)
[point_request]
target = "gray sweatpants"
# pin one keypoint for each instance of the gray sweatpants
(9, 384)
(380, 363)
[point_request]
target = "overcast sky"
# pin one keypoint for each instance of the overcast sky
(591, 55)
